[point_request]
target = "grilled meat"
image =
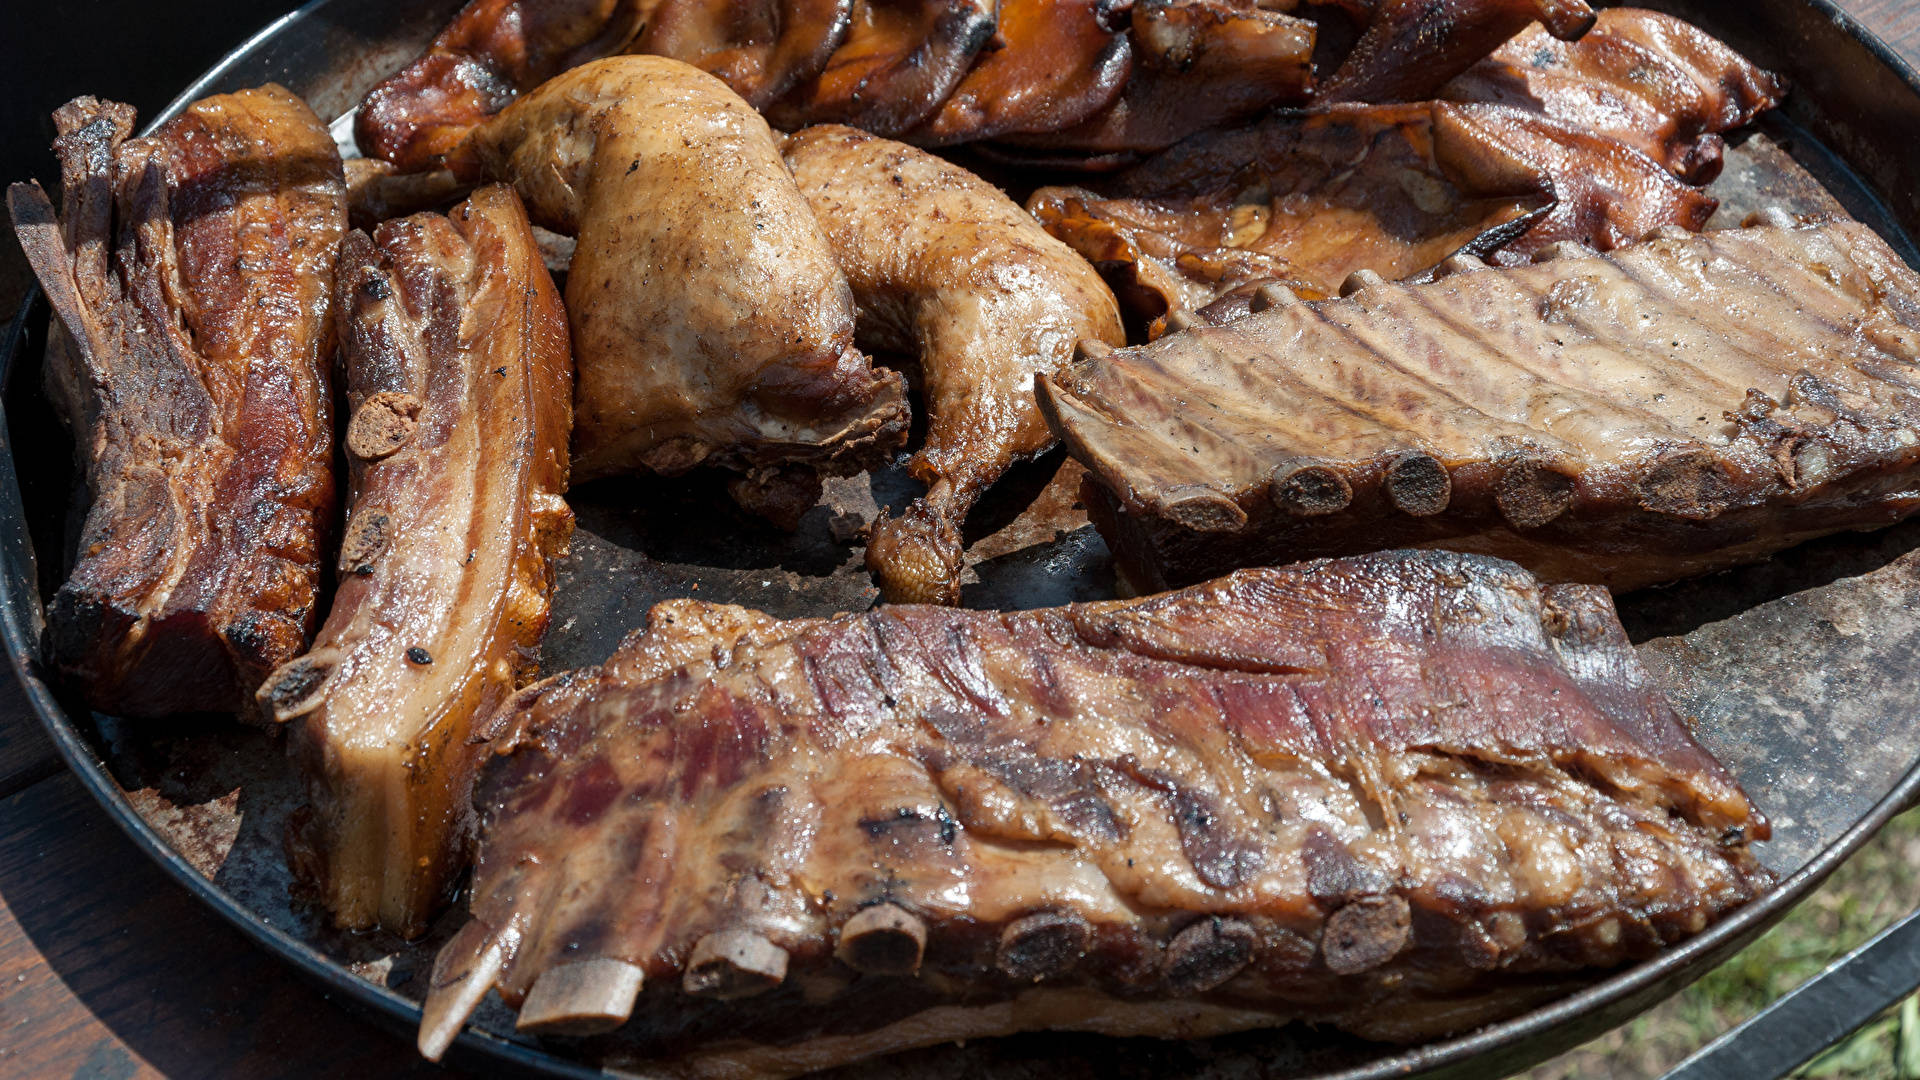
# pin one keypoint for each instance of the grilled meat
(1072, 80)
(1412, 47)
(189, 278)
(762, 49)
(1059, 62)
(1685, 404)
(1606, 193)
(1197, 64)
(1660, 85)
(946, 268)
(1302, 199)
(495, 50)
(711, 325)
(457, 374)
(1402, 794)
(900, 61)
(490, 52)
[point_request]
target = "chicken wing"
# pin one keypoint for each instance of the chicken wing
(711, 325)
(946, 267)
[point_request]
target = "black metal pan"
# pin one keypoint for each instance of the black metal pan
(1799, 671)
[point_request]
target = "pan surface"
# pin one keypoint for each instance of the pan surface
(1798, 670)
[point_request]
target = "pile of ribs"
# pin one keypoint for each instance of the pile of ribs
(1331, 279)
(1401, 793)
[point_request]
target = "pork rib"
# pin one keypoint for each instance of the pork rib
(458, 375)
(1400, 793)
(1682, 405)
(189, 277)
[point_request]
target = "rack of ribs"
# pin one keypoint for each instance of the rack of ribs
(1678, 406)
(1402, 793)
(189, 277)
(457, 372)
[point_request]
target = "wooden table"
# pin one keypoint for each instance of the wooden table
(108, 970)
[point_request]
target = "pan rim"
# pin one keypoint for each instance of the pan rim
(18, 630)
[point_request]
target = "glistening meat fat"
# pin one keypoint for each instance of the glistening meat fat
(1401, 793)
(458, 376)
(189, 275)
(1678, 406)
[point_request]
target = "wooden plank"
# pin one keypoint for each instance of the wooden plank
(1896, 21)
(108, 969)
(26, 756)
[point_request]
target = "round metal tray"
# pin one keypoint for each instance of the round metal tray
(1798, 671)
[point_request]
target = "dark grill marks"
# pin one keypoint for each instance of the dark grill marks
(1158, 816)
(1591, 413)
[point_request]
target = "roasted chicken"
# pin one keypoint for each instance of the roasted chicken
(457, 374)
(1682, 405)
(1402, 794)
(189, 276)
(947, 269)
(711, 324)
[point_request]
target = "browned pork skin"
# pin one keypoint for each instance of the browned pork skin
(1056, 63)
(1656, 83)
(711, 325)
(491, 51)
(1412, 47)
(900, 61)
(946, 268)
(1403, 794)
(1685, 404)
(1301, 199)
(1606, 193)
(457, 373)
(494, 50)
(189, 278)
(1197, 65)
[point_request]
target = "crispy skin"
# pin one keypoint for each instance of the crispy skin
(491, 51)
(494, 50)
(760, 48)
(947, 268)
(1306, 199)
(1656, 83)
(1057, 63)
(1402, 794)
(1412, 47)
(1197, 65)
(457, 374)
(1686, 404)
(1606, 193)
(710, 322)
(899, 62)
(190, 280)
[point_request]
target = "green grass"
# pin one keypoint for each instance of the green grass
(1877, 886)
